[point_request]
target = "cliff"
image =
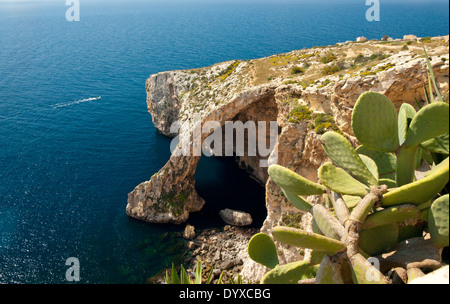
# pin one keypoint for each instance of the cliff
(306, 91)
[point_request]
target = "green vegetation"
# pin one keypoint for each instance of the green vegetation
(360, 59)
(324, 123)
(328, 58)
(183, 278)
(331, 69)
(171, 201)
(321, 122)
(298, 70)
(377, 216)
(425, 40)
(299, 113)
(228, 71)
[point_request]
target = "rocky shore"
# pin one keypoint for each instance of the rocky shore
(221, 250)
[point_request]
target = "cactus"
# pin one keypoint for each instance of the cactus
(438, 222)
(376, 132)
(263, 250)
(304, 239)
(391, 215)
(374, 126)
(364, 272)
(438, 144)
(380, 239)
(341, 152)
(298, 202)
(386, 162)
(420, 191)
(372, 191)
(340, 181)
(293, 183)
(430, 122)
(286, 274)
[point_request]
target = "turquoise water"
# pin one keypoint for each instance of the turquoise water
(68, 160)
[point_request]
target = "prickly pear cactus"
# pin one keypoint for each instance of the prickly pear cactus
(373, 192)
(438, 222)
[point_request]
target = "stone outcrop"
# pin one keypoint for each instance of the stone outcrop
(236, 218)
(268, 90)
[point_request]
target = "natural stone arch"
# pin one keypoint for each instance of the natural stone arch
(170, 195)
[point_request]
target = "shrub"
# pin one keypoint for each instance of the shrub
(328, 58)
(331, 69)
(299, 113)
(360, 58)
(324, 123)
(425, 40)
(297, 70)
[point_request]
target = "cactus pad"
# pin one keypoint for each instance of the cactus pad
(386, 162)
(262, 250)
(439, 144)
(374, 122)
(420, 191)
(438, 218)
(286, 274)
(327, 223)
(297, 201)
(341, 152)
(388, 182)
(391, 215)
(372, 166)
(294, 183)
(304, 239)
(364, 272)
(379, 239)
(430, 122)
(405, 116)
(340, 181)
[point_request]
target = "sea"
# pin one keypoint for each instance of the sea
(76, 136)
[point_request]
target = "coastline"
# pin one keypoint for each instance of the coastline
(323, 81)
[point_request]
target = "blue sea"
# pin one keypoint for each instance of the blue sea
(68, 159)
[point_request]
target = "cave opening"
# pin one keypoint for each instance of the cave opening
(223, 184)
(238, 182)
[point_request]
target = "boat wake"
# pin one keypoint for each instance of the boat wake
(67, 104)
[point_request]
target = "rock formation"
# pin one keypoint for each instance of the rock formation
(307, 92)
(236, 218)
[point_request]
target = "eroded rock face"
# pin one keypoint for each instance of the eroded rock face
(265, 90)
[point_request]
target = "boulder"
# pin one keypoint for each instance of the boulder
(410, 37)
(236, 218)
(361, 39)
(440, 276)
(189, 232)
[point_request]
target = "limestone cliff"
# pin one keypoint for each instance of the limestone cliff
(307, 92)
